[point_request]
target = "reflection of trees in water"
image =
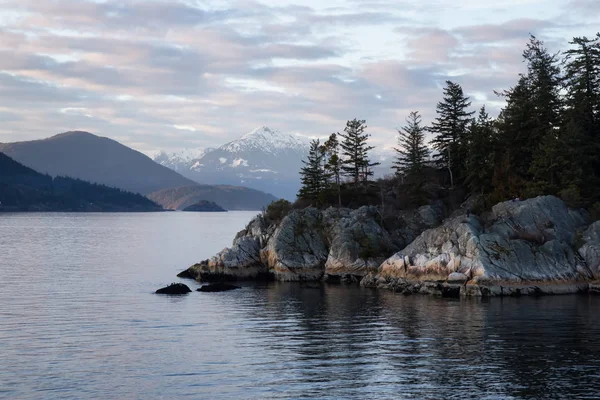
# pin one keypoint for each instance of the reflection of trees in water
(546, 346)
(324, 331)
(346, 341)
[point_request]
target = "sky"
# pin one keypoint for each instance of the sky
(169, 74)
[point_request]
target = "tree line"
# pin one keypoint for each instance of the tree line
(546, 139)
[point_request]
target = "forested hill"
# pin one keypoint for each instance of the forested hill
(23, 189)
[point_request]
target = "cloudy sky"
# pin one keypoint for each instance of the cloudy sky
(168, 74)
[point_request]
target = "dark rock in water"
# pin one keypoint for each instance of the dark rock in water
(205, 206)
(218, 287)
(174, 289)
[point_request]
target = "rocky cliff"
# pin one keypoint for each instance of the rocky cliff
(310, 244)
(521, 247)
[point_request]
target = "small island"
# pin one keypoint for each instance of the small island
(205, 206)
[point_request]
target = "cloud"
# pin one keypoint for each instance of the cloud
(173, 74)
(507, 31)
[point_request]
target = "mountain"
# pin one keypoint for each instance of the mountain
(23, 189)
(228, 197)
(94, 159)
(180, 160)
(264, 159)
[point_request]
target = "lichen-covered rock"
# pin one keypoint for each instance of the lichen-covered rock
(526, 248)
(410, 224)
(307, 245)
(241, 261)
(590, 251)
(298, 249)
(358, 242)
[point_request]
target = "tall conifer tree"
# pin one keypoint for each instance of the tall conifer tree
(355, 151)
(333, 166)
(480, 154)
(412, 150)
(314, 178)
(450, 128)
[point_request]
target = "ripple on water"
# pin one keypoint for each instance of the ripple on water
(78, 319)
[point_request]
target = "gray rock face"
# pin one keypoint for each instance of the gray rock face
(359, 244)
(240, 261)
(298, 249)
(590, 251)
(307, 245)
(409, 224)
(526, 247)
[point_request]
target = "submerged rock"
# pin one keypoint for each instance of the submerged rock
(174, 289)
(526, 247)
(218, 287)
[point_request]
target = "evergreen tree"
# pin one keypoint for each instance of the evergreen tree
(355, 151)
(412, 150)
(333, 166)
(529, 157)
(544, 78)
(450, 128)
(581, 128)
(515, 148)
(480, 154)
(314, 179)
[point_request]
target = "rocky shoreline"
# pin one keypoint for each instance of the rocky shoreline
(532, 247)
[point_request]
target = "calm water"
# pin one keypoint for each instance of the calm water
(78, 319)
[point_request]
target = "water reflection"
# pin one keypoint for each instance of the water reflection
(78, 319)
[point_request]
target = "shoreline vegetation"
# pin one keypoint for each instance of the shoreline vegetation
(24, 190)
(492, 207)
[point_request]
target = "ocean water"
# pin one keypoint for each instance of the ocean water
(79, 319)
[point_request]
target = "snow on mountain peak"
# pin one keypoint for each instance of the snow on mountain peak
(266, 139)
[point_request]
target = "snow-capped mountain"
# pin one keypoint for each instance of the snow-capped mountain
(178, 160)
(264, 159)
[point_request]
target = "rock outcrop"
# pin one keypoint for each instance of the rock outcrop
(535, 246)
(525, 247)
(307, 245)
(590, 250)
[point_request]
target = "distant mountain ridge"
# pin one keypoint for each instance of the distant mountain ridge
(101, 160)
(264, 159)
(23, 189)
(95, 159)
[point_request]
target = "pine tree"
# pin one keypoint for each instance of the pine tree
(450, 128)
(333, 166)
(314, 179)
(581, 127)
(515, 148)
(355, 151)
(544, 77)
(412, 150)
(480, 154)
